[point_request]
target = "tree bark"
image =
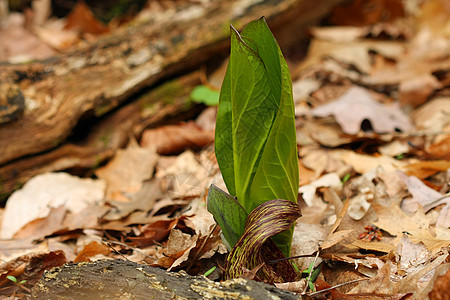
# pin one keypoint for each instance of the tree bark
(119, 279)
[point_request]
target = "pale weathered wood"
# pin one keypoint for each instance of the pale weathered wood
(111, 132)
(118, 279)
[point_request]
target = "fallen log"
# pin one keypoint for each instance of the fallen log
(119, 279)
(109, 133)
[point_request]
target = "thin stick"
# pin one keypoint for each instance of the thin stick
(200, 249)
(310, 271)
(128, 246)
(292, 257)
(336, 286)
(115, 251)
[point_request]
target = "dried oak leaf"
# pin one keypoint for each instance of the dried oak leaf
(358, 105)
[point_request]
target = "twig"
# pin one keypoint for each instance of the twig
(336, 286)
(200, 249)
(115, 251)
(310, 271)
(128, 246)
(292, 257)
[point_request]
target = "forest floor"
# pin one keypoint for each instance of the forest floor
(372, 99)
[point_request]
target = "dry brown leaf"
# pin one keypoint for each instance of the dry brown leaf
(188, 176)
(380, 284)
(433, 116)
(434, 239)
(374, 246)
(394, 186)
(301, 89)
(360, 203)
(424, 169)
(90, 250)
(30, 267)
(18, 45)
(432, 39)
(360, 12)
(363, 163)
(414, 91)
(393, 220)
(251, 274)
(410, 257)
(309, 191)
(357, 105)
(87, 218)
(394, 148)
(82, 20)
(417, 282)
(173, 139)
(143, 200)
(306, 241)
(352, 53)
(57, 243)
(127, 171)
(179, 242)
(441, 284)
(425, 197)
(201, 221)
(156, 231)
(322, 161)
(307, 176)
(335, 238)
(12, 248)
(440, 148)
(329, 135)
(42, 227)
(339, 33)
(45, 191)
(294, 287)
(55, 36)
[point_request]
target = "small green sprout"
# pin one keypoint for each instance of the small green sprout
(14, 279)
(346, 177)
(209, 271)
(400, 156)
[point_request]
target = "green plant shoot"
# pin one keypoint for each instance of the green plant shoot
(255, 142)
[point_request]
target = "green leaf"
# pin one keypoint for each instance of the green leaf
(228, 213)
(307, 271)
(255, 248)
(204, 94)
(12, 278)
(256, 144)
(346, 177)
(209, 271)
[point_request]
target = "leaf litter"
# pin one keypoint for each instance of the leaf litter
(387, 131)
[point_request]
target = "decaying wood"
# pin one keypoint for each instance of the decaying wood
(108, 134)
(94, 80)
(118, 279)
